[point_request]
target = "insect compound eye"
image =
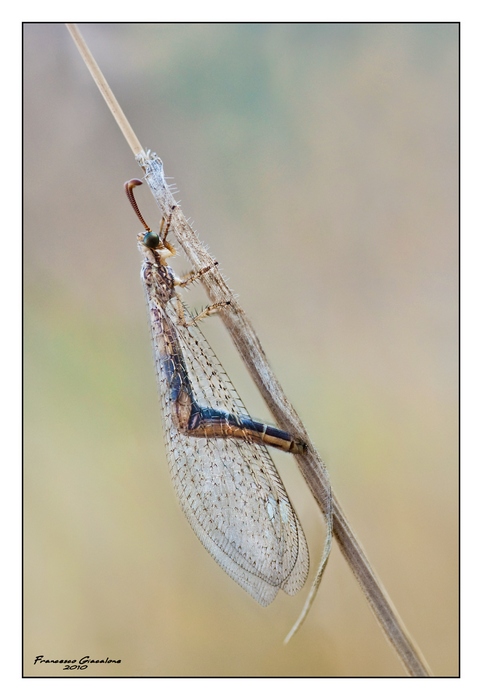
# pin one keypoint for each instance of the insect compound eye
(151, 240)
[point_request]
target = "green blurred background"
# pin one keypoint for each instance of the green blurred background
(320, 165)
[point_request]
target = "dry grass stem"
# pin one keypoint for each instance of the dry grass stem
(105, 90)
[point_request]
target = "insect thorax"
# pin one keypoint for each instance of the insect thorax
(159, 280)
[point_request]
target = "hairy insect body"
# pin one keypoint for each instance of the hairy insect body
(225, 479)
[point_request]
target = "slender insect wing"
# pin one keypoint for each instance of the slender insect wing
(230, 490)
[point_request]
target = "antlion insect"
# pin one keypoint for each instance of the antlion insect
(225, 479)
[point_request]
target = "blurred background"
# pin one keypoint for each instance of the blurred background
(319, 163)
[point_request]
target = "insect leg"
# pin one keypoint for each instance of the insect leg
(208, 311)
(166, 225)
(193, 275)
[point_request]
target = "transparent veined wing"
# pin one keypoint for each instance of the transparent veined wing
(229, 489)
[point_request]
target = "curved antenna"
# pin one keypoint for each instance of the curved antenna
(129, 186)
